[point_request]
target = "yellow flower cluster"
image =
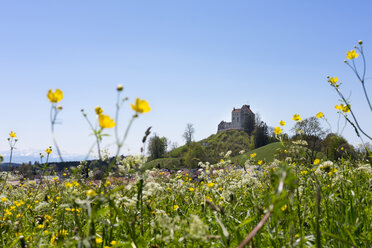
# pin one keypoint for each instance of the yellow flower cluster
(343, 108)
(12, 134)
(104, 120)
(332, 171)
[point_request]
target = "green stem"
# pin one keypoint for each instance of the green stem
(53, 119)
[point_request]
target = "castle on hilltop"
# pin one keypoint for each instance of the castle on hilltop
(238, 119)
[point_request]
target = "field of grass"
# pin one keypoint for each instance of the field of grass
(300, 205)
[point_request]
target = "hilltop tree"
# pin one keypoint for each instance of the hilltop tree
(261, 135)
(310, 130)
(250, 124)
(188, 135)
(157, 147)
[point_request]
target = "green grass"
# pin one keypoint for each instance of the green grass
(265, 153)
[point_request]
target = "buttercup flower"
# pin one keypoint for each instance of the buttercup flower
(352, 54)
(282, 123)
(253, 155)
(296, 117)
(48, 151)
(105, 121)
(141, 106)
(333, 80)
(56, 96)
(12, 135)
(277, 130)
(343, 108)
(316, 161)
(319, 115)
(91, 193)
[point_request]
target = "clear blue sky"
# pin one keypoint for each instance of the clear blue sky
(192, 60)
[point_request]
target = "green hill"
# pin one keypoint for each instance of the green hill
(231, 140)
(209, 149)
(265, 153)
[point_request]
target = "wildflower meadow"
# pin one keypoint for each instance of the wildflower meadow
(296, 200)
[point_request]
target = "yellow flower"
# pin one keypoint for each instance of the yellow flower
(284, 207)
(282, 123)
(106, 122)
(319, 115)
(210, 185)
(98, 110)
(304, 172)
(48, 151)
(141, 106)
(259, 162)
(277, 130)
(253, 155)
(346, 109)
(99, 240)
(191, 189)
(296, 117)
(56, 96)
(53, 240)
(333, 80)
(316, 161)
(343, 108)
(113, 242)
(175, 207)
(352, 54)
(40, 226)
(91, 193)
(12, 135)
(4, 199)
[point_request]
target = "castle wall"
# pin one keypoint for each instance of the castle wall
(238, 118)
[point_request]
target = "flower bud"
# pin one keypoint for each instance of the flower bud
(360, 42)
(119, 87)
(59, 107)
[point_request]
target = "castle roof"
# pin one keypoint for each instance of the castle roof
(246, 108)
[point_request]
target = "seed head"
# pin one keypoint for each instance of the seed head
(119, 87)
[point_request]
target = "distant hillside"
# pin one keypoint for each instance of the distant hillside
(265, 153)
(232, 140)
